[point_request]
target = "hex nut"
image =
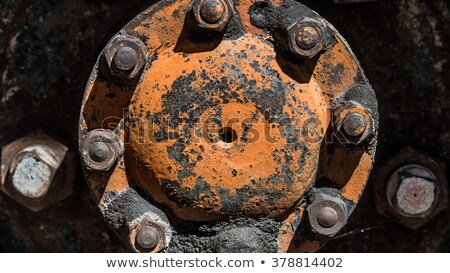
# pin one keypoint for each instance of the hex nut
(411, 188)
(126, 57)
(327, 215)
(100, 150)
(212, 14)
(307, 38)
(353, 124)
(37, 171)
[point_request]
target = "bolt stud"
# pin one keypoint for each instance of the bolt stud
(326, 214)
(125, 58)
(147, 238)
(354, 124)
(412, 190)
(212, 11)
(327, 217)
(307, 37)
(212, 15)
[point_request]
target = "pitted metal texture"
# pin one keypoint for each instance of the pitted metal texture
(241, 111)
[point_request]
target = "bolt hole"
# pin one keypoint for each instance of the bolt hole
(228, 135)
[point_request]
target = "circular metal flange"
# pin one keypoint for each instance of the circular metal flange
(224, 127)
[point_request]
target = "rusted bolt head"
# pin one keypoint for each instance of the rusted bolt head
(354, 124)
(212, 14)
(327, 214)
(416, 195)
(307, 38)
(126, 57)
(412, 190)
(100, 150)
(327, 217)
(212, 11)
(147, 238)
(32, 176)
(37, 171)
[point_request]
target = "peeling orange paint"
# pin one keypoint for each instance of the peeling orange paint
(193, 169)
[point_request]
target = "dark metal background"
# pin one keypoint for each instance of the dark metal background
(48, 48)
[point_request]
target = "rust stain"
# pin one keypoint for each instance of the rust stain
(337, 70)
(242, 7)
(245, 166)
(355, 186)
(105, 107)
(262, 100)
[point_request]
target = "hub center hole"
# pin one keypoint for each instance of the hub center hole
(227, 135)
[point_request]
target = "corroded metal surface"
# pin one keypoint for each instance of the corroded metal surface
(100, 150)
(411, 188)
(401, 44)
(229, 125)
(37, 171)
(44, 71)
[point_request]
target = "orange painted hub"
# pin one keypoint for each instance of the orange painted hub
(229, 121)
(223, 131)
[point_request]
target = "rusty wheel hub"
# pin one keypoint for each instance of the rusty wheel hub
(244, 115)
(210, 135)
